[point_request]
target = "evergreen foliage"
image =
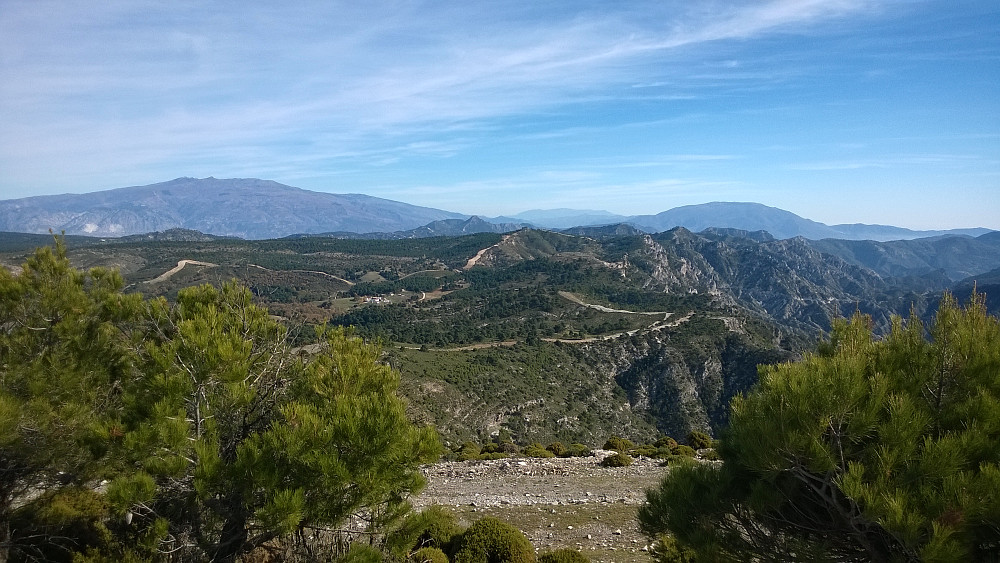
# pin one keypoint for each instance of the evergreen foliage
(866, 450)
(428, 555)
(699, 440)
(618, 443)
(620, 459)
(218, 438)
(490, 540)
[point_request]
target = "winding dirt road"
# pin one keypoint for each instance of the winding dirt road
(180, 266)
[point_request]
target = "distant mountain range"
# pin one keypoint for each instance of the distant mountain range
(256, 209)
(246, 208)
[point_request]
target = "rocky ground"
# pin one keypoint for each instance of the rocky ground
(557, 502)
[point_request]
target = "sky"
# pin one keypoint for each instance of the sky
(842, 111)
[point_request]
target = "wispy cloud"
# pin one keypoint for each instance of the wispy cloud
(126, 85)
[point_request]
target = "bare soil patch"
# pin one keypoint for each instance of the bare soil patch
(571, 502)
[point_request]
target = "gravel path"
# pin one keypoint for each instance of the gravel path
(571, 502)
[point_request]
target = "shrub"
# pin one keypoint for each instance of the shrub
(536, 450)
(565, 555)
(699, 440)
(428, 555)
(666, 441)
(619, 459)
(618, 443)
(361, 553)
(647, 450)
(710, 455)
(666, 550)
(432, 527)
(676, 460)
(663, 452)
(509, 448)
(469, 450)
(577, 450)
(496, 455)
(683, 450)
(489, 540)
(557, 448)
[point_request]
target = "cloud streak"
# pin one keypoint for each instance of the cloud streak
(129, 83)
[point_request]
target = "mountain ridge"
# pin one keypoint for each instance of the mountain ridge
(258, 209)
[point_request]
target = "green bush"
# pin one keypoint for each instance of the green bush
(577, 450)
(667, 442)
(676, 460)
(469, 450)
(618, 443)
(699, 440)
(619, 459)
(362, 553)
(711, 455)
(428, 555)
(663, 452)
(666, 550)
(509, 448)
(557, 449)
(565, 555)
(647, 450)
(432, 527)
(683, 450)
(537, 450)
(490, 540)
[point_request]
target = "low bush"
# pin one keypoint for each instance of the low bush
(666, 550)
(362, 553)
(676, 460)
(619, 459)
(577, 450)
(565, 555)
(537, 450)
(469, 450)
(428, 555)
(496, 455)
(667, 442)
(646, 450)
(618, 443)
(509, 448)
(557, 449)
(699, 440)
(710, 455)
(432, 527)
(683, 450)
(491, 540)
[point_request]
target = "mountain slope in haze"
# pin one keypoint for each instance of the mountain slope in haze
(956, 257)
(440, 228)
(247, 208)
(779, 223)
(256, 209)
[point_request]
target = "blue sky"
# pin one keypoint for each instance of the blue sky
(843, 111)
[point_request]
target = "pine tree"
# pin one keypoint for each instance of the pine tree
(869, 449)
(239, 442)
(60, 360)
(216, 436)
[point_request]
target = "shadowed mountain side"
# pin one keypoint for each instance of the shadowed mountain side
(956, 257)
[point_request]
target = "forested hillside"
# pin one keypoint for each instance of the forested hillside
(545, 335)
